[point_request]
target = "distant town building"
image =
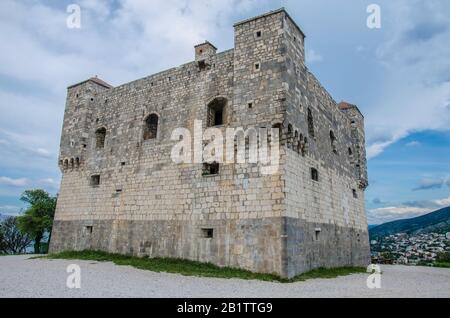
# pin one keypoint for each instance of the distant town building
(411, 249)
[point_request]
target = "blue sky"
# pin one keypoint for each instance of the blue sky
(398, 75)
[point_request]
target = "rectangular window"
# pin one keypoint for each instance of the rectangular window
(89, 229)
(314, 174)
(317, 233)
(257, 66)
(216, 112)
(202, 65)
(100, 136)
(258, 34)
(355, 193)
(210, 169)
(95, 180)
(207, 233)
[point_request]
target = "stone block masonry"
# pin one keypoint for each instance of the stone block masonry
(122, 193)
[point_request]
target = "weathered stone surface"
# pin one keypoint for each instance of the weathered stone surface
(145, 204)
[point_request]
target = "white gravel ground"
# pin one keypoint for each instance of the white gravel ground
(24, 277)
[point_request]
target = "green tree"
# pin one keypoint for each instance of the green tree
(444, 257)
(2, 240)
(38, 217)
(12, 240)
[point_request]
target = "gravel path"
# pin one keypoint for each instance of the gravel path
(24, 277)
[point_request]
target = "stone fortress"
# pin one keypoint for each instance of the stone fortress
(122, 193)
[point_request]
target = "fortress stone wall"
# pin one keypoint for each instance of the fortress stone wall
(121, 192)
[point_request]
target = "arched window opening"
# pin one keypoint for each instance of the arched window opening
(77, 162)
(296, 142)
(151, 127)
(66, 164)
(310, 123)
(280, 133)
(100, 136)
(289, 135)
(314, 174)
(216, 112)
(304, 145)
(333, 141)
(300, 144)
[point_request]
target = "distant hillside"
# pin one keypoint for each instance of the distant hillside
(438, 221)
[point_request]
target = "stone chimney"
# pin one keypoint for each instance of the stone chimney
(203, 54)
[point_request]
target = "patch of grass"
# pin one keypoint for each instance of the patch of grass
(193, 268)
(441, 264)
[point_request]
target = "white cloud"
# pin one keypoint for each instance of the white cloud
(20, 182)
(443, 202)
(388, 214)
(312, 56)
(415, 94)
(377, 147)
(42, 152)
(131, 33)
(119, 41)
(136, 37)
(432, 183)
(10, 210)
(50, 182)
(405, 211)
(413, 143)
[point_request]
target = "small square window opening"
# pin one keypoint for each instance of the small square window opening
(207, 233)
(95, 180)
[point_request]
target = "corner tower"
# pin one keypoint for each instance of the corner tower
(78, 121)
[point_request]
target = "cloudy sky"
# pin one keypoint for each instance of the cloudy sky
(399, 76)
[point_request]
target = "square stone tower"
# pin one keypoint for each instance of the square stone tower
(122, 192)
